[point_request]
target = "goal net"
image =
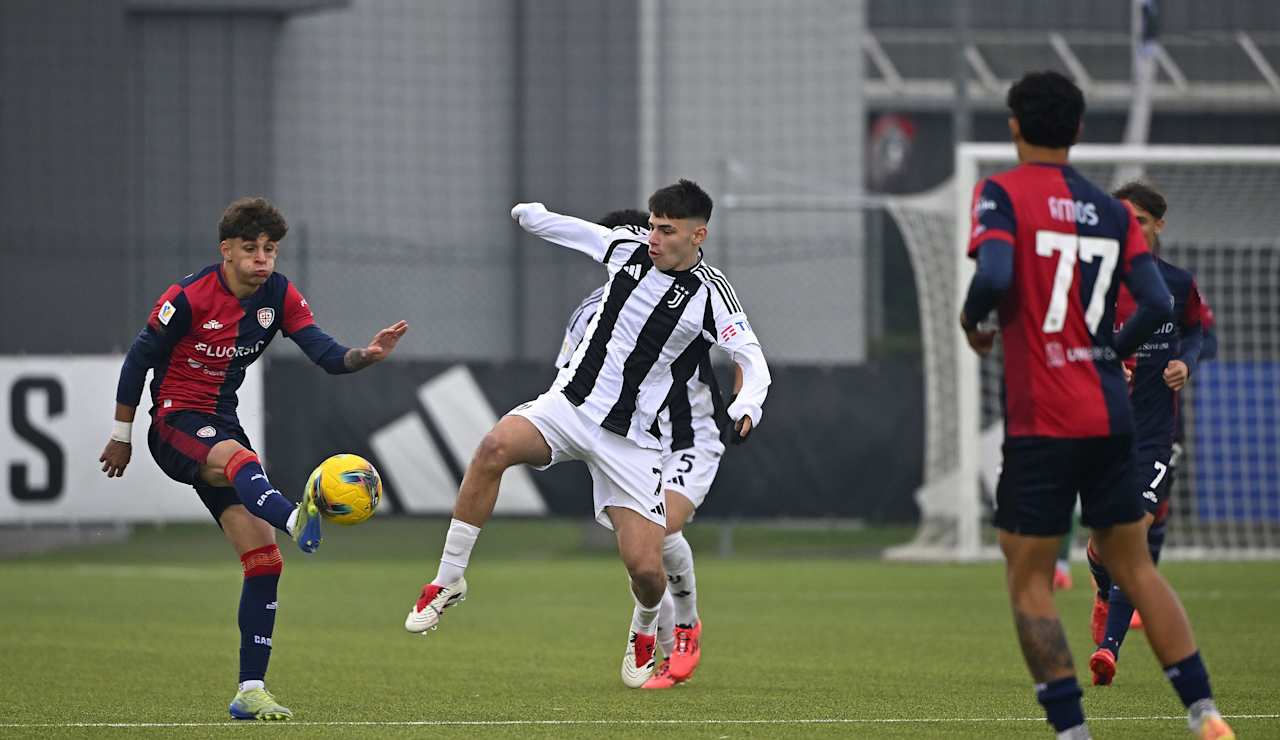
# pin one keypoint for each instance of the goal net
(1224, 227)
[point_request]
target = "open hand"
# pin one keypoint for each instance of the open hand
(385, 341)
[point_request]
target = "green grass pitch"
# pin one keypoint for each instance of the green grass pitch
(804, 637)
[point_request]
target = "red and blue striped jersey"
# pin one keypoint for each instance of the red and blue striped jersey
(1072, 245)
(200, 338)
(1155, 406)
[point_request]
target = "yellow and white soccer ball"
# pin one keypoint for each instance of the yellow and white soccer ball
(345, 488)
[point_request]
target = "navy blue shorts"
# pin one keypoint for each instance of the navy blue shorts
(1154, 467)
(180, 444)
(1042, 475)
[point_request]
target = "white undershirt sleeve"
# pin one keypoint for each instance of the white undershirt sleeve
(584, 236)
(755, 383)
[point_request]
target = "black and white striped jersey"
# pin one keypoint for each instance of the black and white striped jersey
(693, 411)
(577, 326)
(648, 321)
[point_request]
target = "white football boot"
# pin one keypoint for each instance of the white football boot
(425, 614)
(639, 660)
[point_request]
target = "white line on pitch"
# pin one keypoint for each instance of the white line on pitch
(505, 722)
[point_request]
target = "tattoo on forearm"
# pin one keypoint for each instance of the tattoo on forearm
(356, 359)
(1044, 645)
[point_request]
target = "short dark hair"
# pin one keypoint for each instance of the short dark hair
(625, 217)
(246, 218)
(682, 200)
(1144, 196)
(1048, 107)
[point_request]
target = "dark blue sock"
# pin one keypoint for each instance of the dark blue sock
(256, 492)
(1118, 617)
(1155, 540)
(1100, 575)
(1061, 702)
(262, 569)
(1189, 679)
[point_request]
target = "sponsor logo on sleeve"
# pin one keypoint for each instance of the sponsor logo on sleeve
(734, 329)
(166, 313)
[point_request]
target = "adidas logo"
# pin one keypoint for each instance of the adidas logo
(660, 510)
(212, 324)
(425, 450)
(634, 271)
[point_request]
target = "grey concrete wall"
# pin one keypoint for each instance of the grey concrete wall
(201, 136)
(64, 191)
(395, 126)
(759, 97)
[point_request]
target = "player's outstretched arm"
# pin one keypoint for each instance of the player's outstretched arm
(383, 343)
(567, 231)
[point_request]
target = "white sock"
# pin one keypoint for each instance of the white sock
(247, 685)
(645, 618)
(666, 623)
(293, 520)
(457, 552)
(677, 558)
(1079, 732)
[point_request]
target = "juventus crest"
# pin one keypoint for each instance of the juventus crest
(679, 294)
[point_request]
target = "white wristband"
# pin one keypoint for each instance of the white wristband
(122, 431)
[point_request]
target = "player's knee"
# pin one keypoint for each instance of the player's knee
(647, 571)
(494, 454)
(221, 453)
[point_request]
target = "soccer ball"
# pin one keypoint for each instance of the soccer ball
(345, 488)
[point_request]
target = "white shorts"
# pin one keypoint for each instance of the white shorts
(623, 473)
(690, 472)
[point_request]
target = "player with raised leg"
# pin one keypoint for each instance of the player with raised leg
(1052, 250)
(202, 334)
(1161, 368)
(689, 427)
(661, 303)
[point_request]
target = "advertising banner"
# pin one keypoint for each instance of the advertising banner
(55, 420)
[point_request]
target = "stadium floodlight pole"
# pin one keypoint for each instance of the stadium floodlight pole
(1145, 27)
(650, 59)
(961, 110)
(968, 369)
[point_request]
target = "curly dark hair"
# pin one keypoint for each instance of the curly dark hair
(625, 217)
(247, 218)
(682, 200)
(1048, 107)
(1144, 196)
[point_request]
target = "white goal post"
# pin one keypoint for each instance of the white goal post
(1223, 224)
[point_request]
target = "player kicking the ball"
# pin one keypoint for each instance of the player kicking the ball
(661, 310)
(201, 335)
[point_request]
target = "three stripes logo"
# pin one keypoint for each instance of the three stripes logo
(634, 271)
(660, 510)
(424, 452)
